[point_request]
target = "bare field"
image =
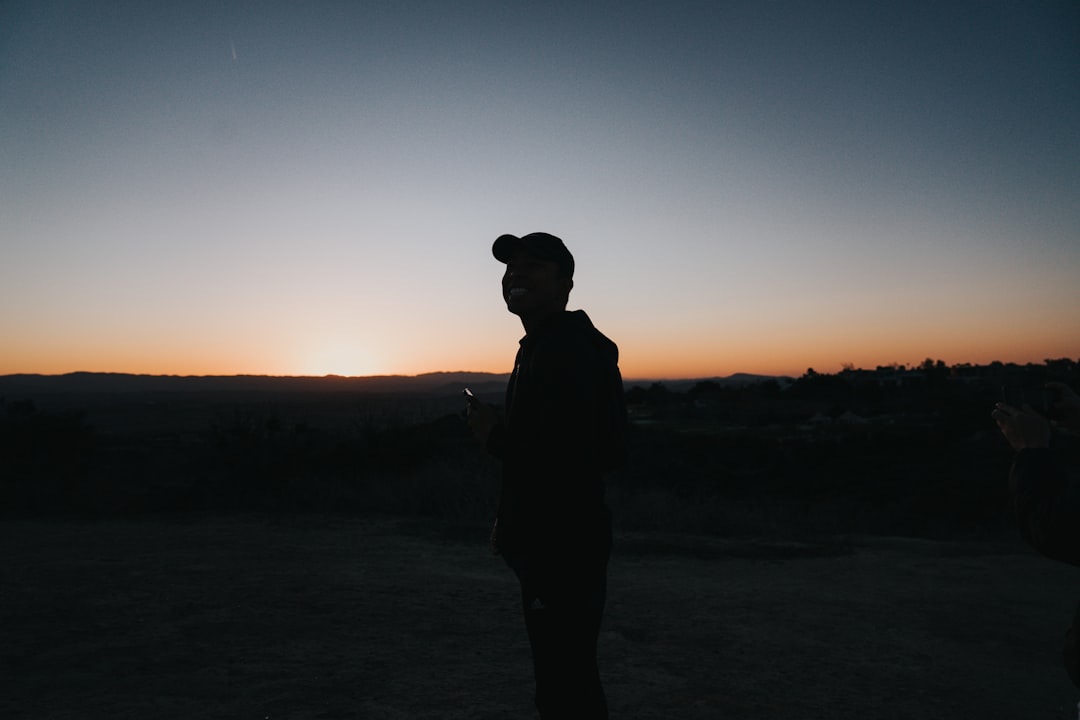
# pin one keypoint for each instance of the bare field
(335, 617)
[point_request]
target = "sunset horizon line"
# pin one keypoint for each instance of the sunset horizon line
(637, 377)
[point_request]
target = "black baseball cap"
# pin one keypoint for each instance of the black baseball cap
(540, 244)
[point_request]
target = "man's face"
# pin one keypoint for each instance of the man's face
(533, 286)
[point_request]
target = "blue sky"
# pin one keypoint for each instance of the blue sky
(310, 188)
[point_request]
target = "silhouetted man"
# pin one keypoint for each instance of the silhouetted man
(563, 430)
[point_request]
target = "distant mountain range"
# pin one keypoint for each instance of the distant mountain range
(437, 383)
(86, 382)
(686, 384)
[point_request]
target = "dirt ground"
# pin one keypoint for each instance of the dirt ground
(332, 618)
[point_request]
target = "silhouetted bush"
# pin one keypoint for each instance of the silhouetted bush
(44, 459)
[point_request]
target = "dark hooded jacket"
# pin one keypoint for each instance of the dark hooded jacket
(564, 430)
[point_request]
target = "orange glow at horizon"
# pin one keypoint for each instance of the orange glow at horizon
(637, 360)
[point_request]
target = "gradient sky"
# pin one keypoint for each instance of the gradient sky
(312, 188)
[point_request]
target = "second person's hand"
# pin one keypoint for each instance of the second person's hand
(1022, 427)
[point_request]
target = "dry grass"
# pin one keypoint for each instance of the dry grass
(334, 617)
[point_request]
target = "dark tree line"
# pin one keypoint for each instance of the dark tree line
(894, 450)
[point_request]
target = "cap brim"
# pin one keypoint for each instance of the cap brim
(505, 247)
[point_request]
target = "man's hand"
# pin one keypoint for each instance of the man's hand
(482, 419)
(1023, 428)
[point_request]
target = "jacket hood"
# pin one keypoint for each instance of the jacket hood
(581, 320)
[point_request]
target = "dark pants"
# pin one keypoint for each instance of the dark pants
(563, 600)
